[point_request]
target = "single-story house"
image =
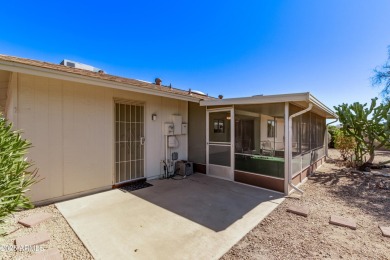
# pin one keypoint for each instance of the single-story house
(92, 131)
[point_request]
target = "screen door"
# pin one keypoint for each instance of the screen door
(219, 143)
(129, 141)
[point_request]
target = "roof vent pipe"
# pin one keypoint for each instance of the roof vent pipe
(220, 96)
(290, 145)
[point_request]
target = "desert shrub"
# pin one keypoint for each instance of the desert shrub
(368, 125)
(15, 177)
(332, 130)
(345, 144)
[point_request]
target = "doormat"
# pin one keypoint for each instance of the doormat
(135, 186)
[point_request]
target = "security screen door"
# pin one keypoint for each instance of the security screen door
(129, 141)
(219, 143)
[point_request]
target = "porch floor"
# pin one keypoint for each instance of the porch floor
(197, 218)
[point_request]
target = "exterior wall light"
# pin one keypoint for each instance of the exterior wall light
(154, 117)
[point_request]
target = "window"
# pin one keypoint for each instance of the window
(271, 128)
(219, 126)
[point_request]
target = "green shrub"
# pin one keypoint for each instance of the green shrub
(368, 125)
(345, 144)
(333, 130)
(15, 177)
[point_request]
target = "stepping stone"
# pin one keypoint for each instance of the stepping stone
(34, 219)
(50, 254)
(32, 239)
(343, 222)
(385, 231)
(302, 211)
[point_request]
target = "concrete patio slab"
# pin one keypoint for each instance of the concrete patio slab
(196, 218)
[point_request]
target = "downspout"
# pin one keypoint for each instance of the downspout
(290, 145)
(327, 139)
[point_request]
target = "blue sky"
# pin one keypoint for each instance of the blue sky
(233, 48)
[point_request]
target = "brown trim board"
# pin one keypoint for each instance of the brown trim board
(259, 181)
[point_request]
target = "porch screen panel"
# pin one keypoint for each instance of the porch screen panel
(321, 152)
(296, 164)
(313, 131)
(321, 127)
(296, 135)
(245, 135)
(263, 123)
(305, 129)
(219, 127)
(319, 131)
(219, 155)
(306, 160)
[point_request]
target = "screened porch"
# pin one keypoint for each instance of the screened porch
(268, 141)
(259, 139)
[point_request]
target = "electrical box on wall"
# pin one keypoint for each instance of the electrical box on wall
(177, 121)
(172, 141)
(184, 129)
(168, 129)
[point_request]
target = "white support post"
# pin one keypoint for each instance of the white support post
(207, 141)
(286, 148)
(232, 144)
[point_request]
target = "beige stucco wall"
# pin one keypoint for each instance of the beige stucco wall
(71, 126)
(197, 133)
(11, 99)
(4, 82)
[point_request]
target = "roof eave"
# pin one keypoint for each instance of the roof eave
(323, 107)
(51, 73)
(257, 99)
(294, 97)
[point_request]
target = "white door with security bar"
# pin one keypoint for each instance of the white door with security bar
(129, 141)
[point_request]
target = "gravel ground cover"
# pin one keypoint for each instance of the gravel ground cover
(330, 190)
(61, 236)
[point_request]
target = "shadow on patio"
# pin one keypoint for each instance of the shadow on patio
(197, 218)
(210, 202)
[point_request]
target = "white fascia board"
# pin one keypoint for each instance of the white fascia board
(322, 106)
(295, 97)
(258, 99)
(49, 73)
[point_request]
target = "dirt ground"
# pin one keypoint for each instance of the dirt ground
(330, 190)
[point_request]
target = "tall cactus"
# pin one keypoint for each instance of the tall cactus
(369, 126)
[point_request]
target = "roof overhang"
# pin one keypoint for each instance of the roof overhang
(51, 73)
(298, 99)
